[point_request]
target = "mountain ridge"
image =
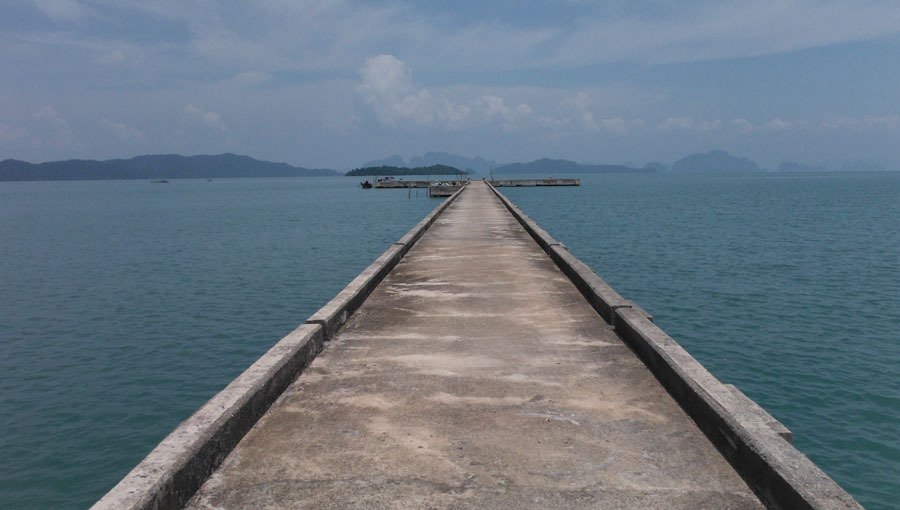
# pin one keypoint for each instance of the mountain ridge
(384, 170)
(546, 165)
(714, 161)
(154, 166)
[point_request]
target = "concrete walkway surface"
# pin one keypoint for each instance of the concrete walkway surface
(475, 376)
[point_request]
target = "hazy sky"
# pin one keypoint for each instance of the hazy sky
(336, 83)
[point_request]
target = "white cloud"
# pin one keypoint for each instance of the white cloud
(714, 30)
(185, 53)
(866, 122)
(123, 132)
(492, 109)
(111, 57)
(252, 78)
(882, 122)
(59, 134)
(585, 119)
(583, 115)
(200, 116)
(334, 34)
(778, 124)
(387, 86)
(10, 134)
(620, 125)
(61, 9)
(742, 125)
(48, 114)
(688, 124)
(676, 123)
(384, 76)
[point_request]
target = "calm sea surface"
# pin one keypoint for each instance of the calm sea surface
(786, 285)
(125, 305)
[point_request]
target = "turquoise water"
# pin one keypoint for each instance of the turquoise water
(787, 286)
(124, 305)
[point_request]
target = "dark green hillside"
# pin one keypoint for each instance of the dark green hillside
(398, 170)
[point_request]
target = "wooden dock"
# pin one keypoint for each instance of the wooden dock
(478, 364)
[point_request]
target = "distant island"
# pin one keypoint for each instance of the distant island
(561, 166)
(167, 166)
(476, 164)
(173, 166)
(790, 166)
(399, 170)
(715, 161)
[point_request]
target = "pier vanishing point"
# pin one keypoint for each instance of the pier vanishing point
(478, 364)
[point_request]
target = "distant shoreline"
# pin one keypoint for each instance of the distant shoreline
(154, 167)
(232, 166)
(387, 170)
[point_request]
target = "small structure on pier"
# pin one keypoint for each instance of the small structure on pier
(497, 183)
(444, 188)
(501, 183)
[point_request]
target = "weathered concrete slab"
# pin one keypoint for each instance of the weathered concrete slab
(336, 312)
(476, 375)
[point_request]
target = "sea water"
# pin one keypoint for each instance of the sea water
(125, 305)
(786, 285)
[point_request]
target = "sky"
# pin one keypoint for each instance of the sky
(336, 83)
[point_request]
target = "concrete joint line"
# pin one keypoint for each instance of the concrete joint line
(612, 313)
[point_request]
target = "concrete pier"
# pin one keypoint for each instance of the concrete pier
(487, 368)
(518, 183)
(498, 183)
(475, 375)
